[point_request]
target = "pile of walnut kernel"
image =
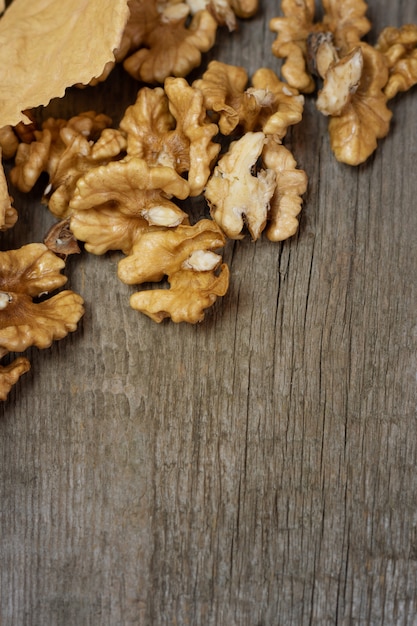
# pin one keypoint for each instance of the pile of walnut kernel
(356, 79)
(220, 137)
(120, 187)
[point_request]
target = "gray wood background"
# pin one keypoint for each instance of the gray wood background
(258, 469)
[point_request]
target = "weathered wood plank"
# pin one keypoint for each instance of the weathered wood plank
(257, 469)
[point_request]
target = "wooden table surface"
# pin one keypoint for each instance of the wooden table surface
(259, 468)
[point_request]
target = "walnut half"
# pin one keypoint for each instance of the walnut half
(187, 256)
(27, 318)
(237, 193)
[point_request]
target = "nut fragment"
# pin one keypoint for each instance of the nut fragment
(80, 155)
(399, 47)
(222, 86)
(105, 229)
(236, 196)
(65, 150)
(245, 8)
(365, 118)
(190, 293)
(8, 142)
(10, 374)
(113, 203)
(8, 214)
(60, 240)
(344, 22)
(220, 9)
(341, 82)
(281, 105)
(163, 251)
(225, 11)
(357, 84)
(168, 45)
(169, 127)
(321, 53)
(291, 184)
(132, 188)
(186, 256)
(148, 126)
(347, 21)
(9, 217)
(27, 273)
(31, 160)
(268, 105)
(293, 30)
(187, 106)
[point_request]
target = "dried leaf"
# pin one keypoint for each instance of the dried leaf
(49, 45)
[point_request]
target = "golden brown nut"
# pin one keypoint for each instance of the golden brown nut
(25, 274)
(223, 86)
(76, 159)
(169, 128)
(65, 150)
(10, 374)
(347, 21)
(281, 106)
(8, 214)
(164, 251)
(237, 197)
(41, 155)
(82, 142)
(186, 255)
(132, 188)
(111, 144)
(114, 203)
(344, 22)
(340, 83)
(79, 157)
(293, 30)
(245, 8)
(399, 47)
(365, 118)
(226, 10)
(9, 217)
(25, 131)
(169, 47)
(268, 105)
(9, 142)
(89, 124)
(187, 107)
(291, 184)
(190, 293)
(355, 89)
(31, 160)
(53, 147)
(321, 53)
(221, 10)
(148, 126)
(105, 229)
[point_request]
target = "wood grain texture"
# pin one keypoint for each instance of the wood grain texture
(258, 469)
